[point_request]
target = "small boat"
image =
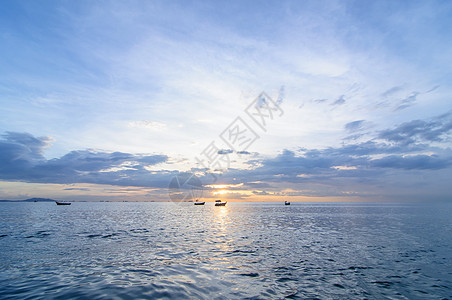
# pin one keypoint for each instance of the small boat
(62, 203)
(199, 203)
(218, 202)
(286, 203)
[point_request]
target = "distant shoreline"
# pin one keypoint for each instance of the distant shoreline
(31, 200)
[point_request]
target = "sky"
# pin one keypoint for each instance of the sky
(260, 100)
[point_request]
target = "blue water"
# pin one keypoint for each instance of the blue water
(244, 250)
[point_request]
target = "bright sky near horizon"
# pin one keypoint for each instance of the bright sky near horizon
(111, 99)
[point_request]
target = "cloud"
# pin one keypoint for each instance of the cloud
(391, 91)
(152, 159)
(395, 161)
(262, 193)
(22, 159)
(147, 124)
(360, 162)
(353, 137)
(19, 152)
(243, 152)
(417, 162)
(418, 131)
(339, 101)
(432, 89)
(331, 171)
(397, 98)
(256, 185)
(281, 95)
(23, 146)
(354, 126)
(403, 102)
(225, 151)
(407, 102)
(77, 189)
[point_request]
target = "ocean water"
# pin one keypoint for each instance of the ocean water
(241, 251)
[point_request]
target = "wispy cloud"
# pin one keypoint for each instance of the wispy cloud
(355, 125)
(407, 102)
(391, 91)
(339, 101)
(147, 124)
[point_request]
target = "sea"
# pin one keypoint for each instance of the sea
(245, 250)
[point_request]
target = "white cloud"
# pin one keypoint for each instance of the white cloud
(147, 124)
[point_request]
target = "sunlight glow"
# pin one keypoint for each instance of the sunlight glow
(224, 186)
(222, 192)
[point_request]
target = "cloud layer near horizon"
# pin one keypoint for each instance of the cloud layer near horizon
(348, 170)
(21, 157)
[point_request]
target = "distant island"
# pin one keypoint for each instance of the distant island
(31, 200)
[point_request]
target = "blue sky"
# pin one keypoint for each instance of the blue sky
(111, 99)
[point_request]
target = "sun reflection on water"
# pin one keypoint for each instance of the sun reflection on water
(223, 237)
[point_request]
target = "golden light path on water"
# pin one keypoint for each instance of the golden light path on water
(223, 238)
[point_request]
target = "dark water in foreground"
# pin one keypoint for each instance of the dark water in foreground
(243, 250)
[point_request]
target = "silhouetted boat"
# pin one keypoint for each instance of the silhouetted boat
(286, 203)
(62, 203)
(199, 203)
(218, 202)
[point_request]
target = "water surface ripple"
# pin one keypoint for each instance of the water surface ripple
(241, 251)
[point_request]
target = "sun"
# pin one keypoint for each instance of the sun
(221, 192)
